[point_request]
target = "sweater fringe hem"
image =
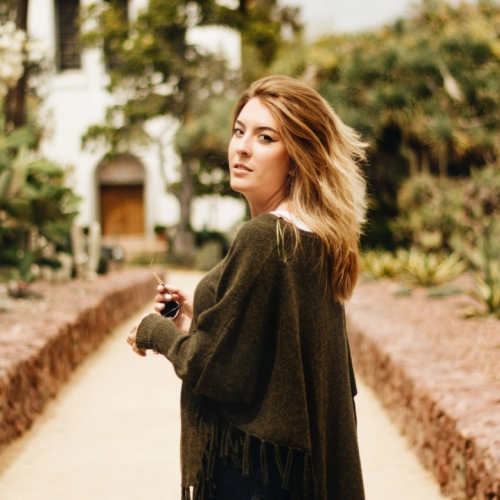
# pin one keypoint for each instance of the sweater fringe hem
(226, 440)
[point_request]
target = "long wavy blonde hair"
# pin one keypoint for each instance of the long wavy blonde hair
(327, 188)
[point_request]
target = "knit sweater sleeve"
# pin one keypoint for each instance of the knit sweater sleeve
(222, 356)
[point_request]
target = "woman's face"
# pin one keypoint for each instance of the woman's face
(258, 159)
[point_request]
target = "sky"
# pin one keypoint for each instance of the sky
(325, 16)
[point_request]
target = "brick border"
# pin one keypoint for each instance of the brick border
(35, 365)
(451, 417)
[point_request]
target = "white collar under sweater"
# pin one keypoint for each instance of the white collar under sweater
(293, 218)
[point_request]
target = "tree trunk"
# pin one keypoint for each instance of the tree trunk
(15, 103)
(413, 161)
(184, 242)
(443, 161)
(17, 96)
(426, 166)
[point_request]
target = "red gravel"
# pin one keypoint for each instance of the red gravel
(474, 342)
(57, 298)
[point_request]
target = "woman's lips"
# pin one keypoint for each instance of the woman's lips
(240, 168)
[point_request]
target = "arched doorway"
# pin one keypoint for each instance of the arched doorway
(121, 192)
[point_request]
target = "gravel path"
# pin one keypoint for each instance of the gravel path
(113, 432)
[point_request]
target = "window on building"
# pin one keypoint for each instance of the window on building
(69, 56)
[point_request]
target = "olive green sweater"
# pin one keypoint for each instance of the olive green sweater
(267, 359)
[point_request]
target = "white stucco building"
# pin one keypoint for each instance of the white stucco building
(127, 197)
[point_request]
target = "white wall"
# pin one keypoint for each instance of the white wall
(77, 99)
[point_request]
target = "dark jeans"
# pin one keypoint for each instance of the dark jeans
(231, 484)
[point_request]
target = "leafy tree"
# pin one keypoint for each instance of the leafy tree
(161, 75)
(423, 90)
(262, 25)
(36, 208)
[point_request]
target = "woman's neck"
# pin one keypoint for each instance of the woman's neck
(271, 206)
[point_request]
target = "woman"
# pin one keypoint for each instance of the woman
(267, 399)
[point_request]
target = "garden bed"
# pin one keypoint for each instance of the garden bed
(43, 340)
(439, 377)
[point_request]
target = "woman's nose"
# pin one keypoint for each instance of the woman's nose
(243, 148)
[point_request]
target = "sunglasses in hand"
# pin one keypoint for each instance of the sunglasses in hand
(172, 307)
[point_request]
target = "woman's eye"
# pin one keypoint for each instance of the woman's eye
(237, 131)
(266, 138)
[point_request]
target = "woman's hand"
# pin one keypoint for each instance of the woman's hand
(166, 293)
(132, 336)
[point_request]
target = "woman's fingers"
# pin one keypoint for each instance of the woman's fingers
(165, 294)
(160, 300)
(169, 292)
(131, 340)
(159, 306)
(163, 297)
(168, 289)
(131, 337)
(141, 352)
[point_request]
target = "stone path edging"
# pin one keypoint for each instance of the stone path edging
(451, 417)
(36, 361)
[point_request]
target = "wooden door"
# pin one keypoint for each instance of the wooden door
(122, 210)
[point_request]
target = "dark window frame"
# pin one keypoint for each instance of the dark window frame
(68, 53)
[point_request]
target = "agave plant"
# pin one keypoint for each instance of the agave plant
(487, 292)
(488, 289)
(483, 253)
(430, 269)
(379, 265)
